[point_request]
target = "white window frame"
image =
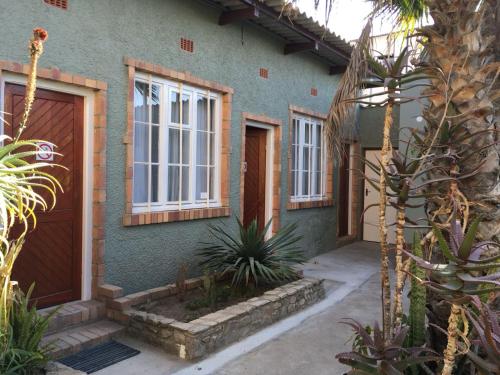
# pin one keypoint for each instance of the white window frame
(167, 87)
(301, 120)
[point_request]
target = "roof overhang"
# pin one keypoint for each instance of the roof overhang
(300, 33)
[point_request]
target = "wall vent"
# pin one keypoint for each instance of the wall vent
(264, 73)
(63, 4)
(187, 45)
(314, 91)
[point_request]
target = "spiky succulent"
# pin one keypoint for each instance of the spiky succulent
(373, 355)
(456, 280)
(250, 256)
(486, 351)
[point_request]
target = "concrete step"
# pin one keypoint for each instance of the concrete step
(82, 337)
(73, 314)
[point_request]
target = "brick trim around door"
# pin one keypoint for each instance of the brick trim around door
(99, 155)
(276, 193)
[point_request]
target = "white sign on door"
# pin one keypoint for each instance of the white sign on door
(44, 151)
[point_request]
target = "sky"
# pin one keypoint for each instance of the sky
(347, 17)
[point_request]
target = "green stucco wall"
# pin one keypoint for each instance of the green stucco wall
(92, 37)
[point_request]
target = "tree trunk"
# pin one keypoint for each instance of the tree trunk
(384, 248)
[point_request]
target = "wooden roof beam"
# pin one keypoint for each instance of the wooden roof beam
(231, 16)
(299, 47)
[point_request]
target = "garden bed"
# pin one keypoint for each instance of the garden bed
(147, 315)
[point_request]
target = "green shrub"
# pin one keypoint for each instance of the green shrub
(253, 259)
(24, 353)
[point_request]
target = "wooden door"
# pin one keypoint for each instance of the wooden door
(255, 177)
(52, 254)
(343, 206)
(371, 217)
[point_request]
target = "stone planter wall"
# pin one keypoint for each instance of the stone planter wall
(204, 335)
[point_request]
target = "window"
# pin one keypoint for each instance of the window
(176, 143)
(308, 163)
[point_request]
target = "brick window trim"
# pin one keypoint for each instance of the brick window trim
(328, 200)
(277, 124)
(144, 218)
(99, 156)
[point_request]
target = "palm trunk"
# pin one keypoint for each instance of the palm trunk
(458, 47)
(451, 348)
(384, 248)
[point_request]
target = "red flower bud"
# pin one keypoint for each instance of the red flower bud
(40, 34)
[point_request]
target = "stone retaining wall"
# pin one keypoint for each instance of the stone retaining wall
(204, 335)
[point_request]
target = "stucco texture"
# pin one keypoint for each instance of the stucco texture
(92, 37)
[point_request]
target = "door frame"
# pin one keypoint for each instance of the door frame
(273, 166)
(88, 173)
(268, 209)
(362, 191)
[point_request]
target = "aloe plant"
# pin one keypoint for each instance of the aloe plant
(251, 257)
(456, 280)
(487, 330)
(375, 355)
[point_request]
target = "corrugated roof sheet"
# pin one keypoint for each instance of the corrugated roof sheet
(297, 29)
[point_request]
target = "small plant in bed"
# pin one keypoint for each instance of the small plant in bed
(250, 257)
(237, 267)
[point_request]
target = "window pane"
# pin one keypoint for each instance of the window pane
(212, 182)
(140, 183)
(155, 101)
(141, 94)
(305, 159)
(212, 115)
(173, 184)
(155, 138)
(317, 184)
(201, 148)
(294, 132)
(174, 107)
(292, 187)
(294, 157)
(154, 183)
(186, 143)
(141, 142)
(305, 183)
(173, 146)
(201, 183)
(185, 109)
(201, 113)
(318, 136)
(185, 183)
(306, 133)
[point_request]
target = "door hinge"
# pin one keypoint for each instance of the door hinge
(245, 167)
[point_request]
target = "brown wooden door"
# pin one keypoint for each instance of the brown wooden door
(343, 206)
(52, 254)
(255, 177)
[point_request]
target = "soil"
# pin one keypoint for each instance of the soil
(196, 303)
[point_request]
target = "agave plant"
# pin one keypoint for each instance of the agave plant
(373, 354)
(251, 257)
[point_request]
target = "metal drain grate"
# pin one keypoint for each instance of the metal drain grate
(99, 357)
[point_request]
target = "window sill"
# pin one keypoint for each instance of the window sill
(310, 204)
(145, 218)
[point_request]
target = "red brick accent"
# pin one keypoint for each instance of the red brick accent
(245, 117)
(130, 218)
(99, 157)
(328, 201)
(264, 73)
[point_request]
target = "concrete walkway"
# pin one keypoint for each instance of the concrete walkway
(305, 343)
